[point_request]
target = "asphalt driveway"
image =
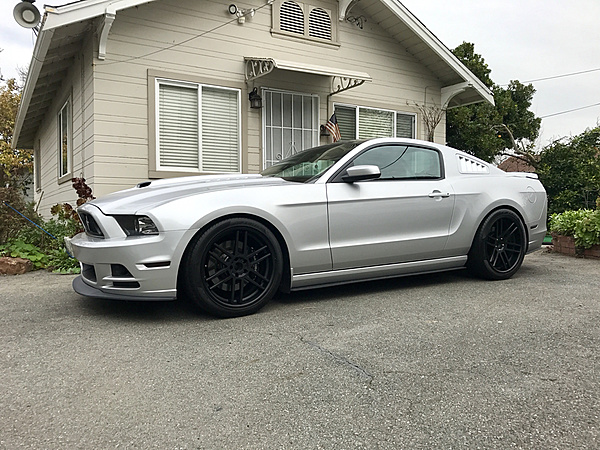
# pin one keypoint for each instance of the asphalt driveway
(437, 361)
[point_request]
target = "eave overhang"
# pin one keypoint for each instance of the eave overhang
(61, 34)
(459, 85)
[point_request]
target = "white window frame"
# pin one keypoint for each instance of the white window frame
(395, 117)
(264, 118)
(64, 173)
(198, 87)
(37, 166)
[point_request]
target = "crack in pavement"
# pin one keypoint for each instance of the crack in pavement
(340, 359)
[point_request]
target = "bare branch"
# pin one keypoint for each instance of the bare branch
(432, 116)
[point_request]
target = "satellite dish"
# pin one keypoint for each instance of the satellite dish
(26, 14)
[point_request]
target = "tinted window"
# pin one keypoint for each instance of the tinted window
(306, 165)
(402, 162)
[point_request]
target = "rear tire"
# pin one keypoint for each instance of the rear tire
(499, 246)
(234, 268)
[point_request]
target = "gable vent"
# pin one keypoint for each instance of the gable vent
(319, 24)
(468, 165)
(291, 18)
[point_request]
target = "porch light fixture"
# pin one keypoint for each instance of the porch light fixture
(255, 99)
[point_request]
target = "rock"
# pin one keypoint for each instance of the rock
(14, 266)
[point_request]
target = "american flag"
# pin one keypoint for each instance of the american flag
(333, 128)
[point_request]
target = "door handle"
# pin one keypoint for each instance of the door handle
(439, 194)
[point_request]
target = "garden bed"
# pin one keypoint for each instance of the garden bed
(566, 245)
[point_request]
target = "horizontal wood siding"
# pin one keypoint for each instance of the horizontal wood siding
(78, 86)
(199, 40)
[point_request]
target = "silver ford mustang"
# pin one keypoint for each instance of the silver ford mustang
(345, 212)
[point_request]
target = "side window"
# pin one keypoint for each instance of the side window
(65, 149)
(357, 122)
(402, 162)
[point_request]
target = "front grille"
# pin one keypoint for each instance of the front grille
(90, 225)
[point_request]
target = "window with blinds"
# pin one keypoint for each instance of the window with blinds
(220, 130)
(198, 128)
(364, 123)
(405, 125)
(346, 118)
(374, 123)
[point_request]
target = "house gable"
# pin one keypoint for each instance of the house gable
(64, 27)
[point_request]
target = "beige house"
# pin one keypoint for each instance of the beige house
(123, 91)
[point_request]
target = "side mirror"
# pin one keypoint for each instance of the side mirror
(361, 173)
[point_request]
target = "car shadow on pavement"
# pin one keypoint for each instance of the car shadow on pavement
(141, 311)
(361, 288)
(181, 310)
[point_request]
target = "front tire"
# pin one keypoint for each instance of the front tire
(234, 268)
(499, 246)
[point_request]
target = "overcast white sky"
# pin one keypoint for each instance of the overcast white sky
(519, 39)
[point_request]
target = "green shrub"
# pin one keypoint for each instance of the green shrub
(582, 224)
(10, 222)
(20, 249)
(59, 261)
(25, 240)
(564, 223)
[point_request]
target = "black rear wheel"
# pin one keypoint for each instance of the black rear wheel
(234, 268)
(499, 246)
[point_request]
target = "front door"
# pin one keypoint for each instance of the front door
(291, 124)
(402, 216)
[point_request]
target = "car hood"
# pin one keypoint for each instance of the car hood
(150, 194)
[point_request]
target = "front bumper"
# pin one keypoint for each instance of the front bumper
(82, 288)
(129, 268)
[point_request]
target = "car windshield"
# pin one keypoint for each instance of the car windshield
(307, 165)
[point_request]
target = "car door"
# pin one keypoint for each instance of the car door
(402, 216)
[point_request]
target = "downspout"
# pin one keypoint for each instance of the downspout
(82, 95)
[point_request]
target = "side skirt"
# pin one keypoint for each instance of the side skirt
(333, 277)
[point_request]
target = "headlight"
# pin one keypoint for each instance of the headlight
(144, 225)
(137, 225)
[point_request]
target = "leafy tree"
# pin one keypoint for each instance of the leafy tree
(15, 164)
(465, 52)
(485, 130)
(569, 168)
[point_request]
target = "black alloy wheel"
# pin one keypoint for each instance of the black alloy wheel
(234, 268)
(499, 246)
